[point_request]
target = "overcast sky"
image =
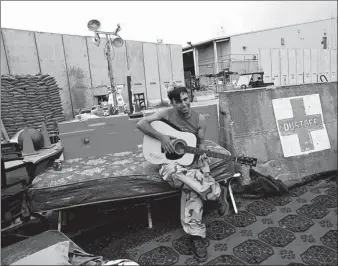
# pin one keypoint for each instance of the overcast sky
(176, 22)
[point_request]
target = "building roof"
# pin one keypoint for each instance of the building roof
(226, 38)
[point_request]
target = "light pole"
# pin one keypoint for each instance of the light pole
(94, 25)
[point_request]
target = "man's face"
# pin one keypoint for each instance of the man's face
(182, 106)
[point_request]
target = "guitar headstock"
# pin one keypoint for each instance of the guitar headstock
(247, 160)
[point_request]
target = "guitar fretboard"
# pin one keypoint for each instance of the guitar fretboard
(197, 151)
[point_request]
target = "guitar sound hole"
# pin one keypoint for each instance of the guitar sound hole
(173, 156)
(179, 150)
(179, 147)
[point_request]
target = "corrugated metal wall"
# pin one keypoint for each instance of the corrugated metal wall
(78, 65)
(297, 66)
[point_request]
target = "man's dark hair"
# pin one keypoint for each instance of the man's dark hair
(175, 93)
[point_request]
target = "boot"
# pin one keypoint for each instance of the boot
(222, 201)
(199, 250)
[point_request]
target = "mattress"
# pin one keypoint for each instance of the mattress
(113, 177)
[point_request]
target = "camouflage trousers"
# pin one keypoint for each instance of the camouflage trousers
(196, 187)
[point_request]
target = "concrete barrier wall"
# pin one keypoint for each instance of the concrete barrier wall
(78, 71)
(4, 63)
(165, 69)
(121, 69)
(292, 130)
(136, 66)
(97, 63)
(21, 52)
(53, 62)
(79, 65)
(152, 73)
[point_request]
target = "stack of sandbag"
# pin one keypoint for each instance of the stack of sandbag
(27, 101)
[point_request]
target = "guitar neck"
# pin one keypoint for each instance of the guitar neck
(214, 154)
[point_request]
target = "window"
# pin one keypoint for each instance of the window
(282, 41)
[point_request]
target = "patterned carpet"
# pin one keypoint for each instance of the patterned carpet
(295, 229)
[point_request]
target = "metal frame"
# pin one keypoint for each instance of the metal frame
(228, 180)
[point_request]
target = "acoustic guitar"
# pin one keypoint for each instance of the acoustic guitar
(185, 147)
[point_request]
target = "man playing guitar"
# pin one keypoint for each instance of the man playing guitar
(194, 181)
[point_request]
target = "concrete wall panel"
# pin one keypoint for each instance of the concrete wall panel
(78, 71)
(300, 66)
(21, 52)
(177, 64)
(164, 62)
(52, 62)
(152, 73)
(136, 66)
(4, 64)
(292, 66)
(120, 69)
(284, 67)
(275, 67)
(98, 63)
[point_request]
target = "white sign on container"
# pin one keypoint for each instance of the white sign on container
(301, 125)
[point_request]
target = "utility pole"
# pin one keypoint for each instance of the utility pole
(110, 71)
(94, 25)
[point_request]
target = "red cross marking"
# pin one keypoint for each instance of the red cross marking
(301, 124)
